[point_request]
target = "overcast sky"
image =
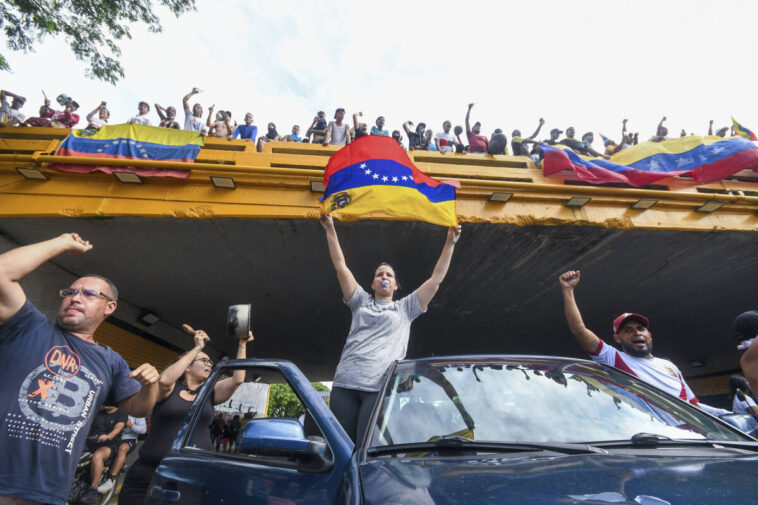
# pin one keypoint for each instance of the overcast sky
(588, 63)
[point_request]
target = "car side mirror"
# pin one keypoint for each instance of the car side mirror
(285, 438)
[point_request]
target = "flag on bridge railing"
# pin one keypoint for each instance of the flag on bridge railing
(742, 131)
(131, 142)
(706, 159)
(374, 174)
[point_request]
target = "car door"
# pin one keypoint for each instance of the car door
(197, 476)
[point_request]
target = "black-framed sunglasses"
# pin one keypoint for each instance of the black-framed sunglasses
(88, 293)
(205, 361)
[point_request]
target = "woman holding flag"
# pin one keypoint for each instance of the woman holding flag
(379, 329)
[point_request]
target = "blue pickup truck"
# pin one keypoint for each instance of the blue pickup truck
(471, 430)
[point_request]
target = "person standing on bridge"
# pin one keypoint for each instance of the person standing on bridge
(379, 329)
(632, 332)
(55, 376)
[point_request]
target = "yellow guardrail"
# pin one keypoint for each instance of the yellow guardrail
(284, 181)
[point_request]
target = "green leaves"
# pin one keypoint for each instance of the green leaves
(91, 27)
(283, 402)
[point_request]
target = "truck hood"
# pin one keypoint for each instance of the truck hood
(654, 479)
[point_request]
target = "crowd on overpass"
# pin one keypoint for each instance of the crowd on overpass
(337, 131)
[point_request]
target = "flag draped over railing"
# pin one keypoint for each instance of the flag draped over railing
(130, 142)
(705, 159)
(375, 174)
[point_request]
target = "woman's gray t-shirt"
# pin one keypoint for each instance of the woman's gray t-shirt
(379, 332)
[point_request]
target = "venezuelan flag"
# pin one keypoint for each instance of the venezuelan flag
(742, 131)
(374, 174)
(706, 159)
(131, 142)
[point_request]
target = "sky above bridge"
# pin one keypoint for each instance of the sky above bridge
(588, 64)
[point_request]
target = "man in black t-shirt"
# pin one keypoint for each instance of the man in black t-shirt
(554, 134)
(416, 139)
(103, 440)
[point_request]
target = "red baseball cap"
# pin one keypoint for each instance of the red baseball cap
(619, 321)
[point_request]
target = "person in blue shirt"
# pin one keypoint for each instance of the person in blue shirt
(379, 128)
(294, 136)
(55, 375)
(247, 131)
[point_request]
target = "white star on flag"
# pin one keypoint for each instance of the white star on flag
(405, 178)
(384, 179)
(394, 179)
(376, 176)
(368, 171)
(363, 165)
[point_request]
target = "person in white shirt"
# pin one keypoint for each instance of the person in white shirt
(444, 140)
(135, 426)
(141, 118)
(631, 332)
(9, 112)
(337, 132)
(193, 120)
(98, 117)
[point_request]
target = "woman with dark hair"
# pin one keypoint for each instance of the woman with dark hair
(177, 389)
(379, 329)
(743, 401)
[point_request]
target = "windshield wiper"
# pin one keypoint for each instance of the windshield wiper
(653, 440)
(458, 443)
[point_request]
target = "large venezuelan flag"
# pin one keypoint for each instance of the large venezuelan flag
(706, 159)
(374, 174)
(131, 142)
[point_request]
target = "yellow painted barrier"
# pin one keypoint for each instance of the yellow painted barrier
(284, 182)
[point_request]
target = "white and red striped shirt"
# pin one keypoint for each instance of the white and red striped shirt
(658, 372)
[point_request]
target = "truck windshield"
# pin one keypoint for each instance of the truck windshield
(530, 400)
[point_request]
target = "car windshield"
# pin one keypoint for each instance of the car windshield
(530, 400)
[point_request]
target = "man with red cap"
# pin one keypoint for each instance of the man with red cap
(631, 332)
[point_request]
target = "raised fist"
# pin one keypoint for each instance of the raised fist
(569, 279)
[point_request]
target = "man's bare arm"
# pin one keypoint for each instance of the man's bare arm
(536, 132)
(185, 100)
(659, 130)
(20, 262)
(468, 114)
(160, 112)
(327, 134)
(586, 338)
(142, 403)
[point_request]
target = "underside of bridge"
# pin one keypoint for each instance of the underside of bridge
(501, 294)
(184, 249)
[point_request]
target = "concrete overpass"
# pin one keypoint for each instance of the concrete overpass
(186, 249)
